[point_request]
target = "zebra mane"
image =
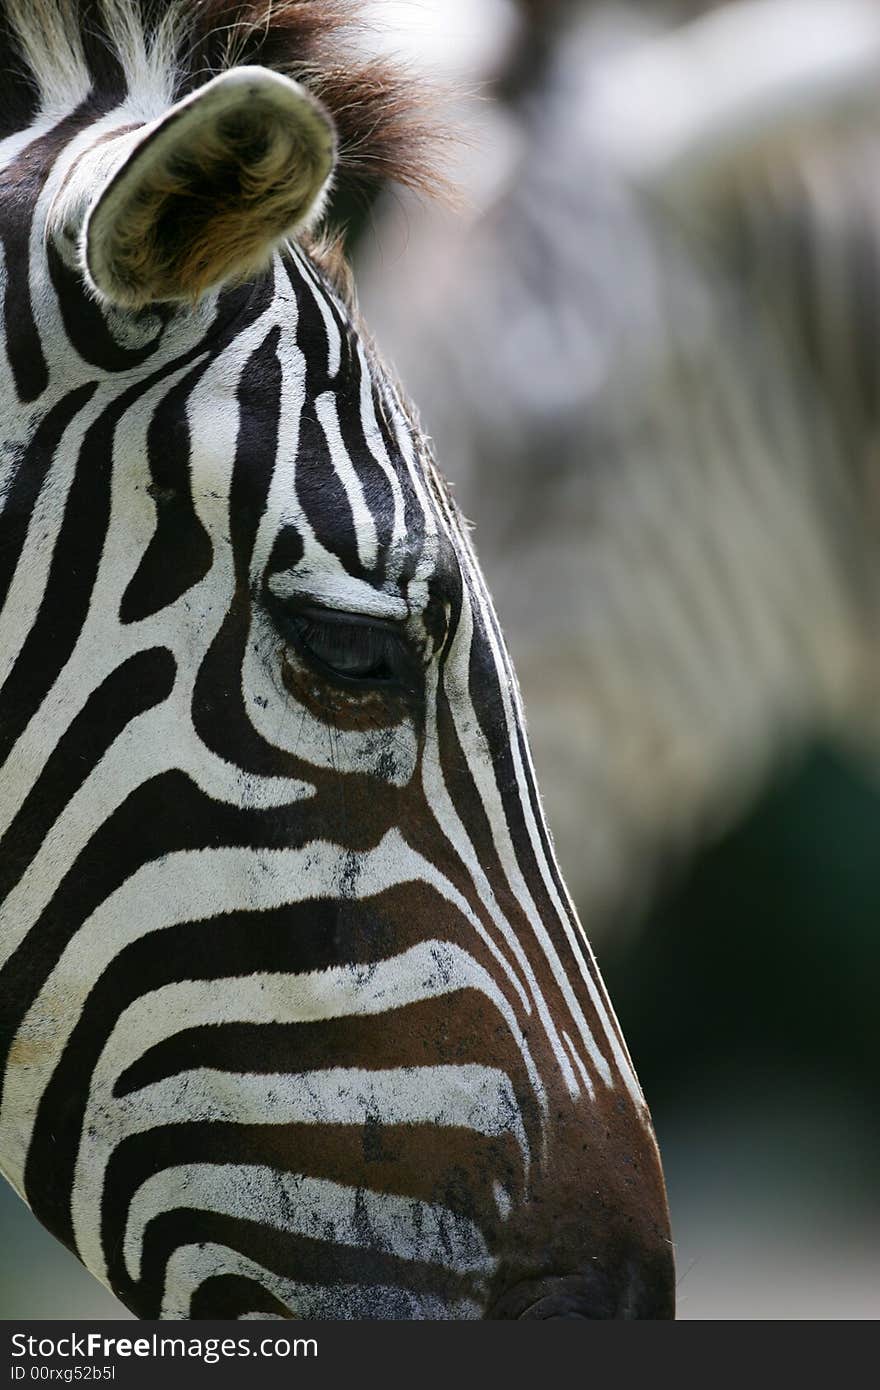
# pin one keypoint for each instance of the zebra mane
(59, 53)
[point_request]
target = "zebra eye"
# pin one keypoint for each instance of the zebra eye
(349, 648)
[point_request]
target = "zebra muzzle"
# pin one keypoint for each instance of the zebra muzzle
(590, 1296)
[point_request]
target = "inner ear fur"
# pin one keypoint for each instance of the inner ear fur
(210, 190)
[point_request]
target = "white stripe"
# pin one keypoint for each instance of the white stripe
(327, 411)
(192, 1265)
(480, 764)
(334, 340)
(313, 1207)
(192, 886)
(472, 1097)
(430, 970)
(580, 947)
(376, 446)
(21, 606)
(151, 744)
(342, 592)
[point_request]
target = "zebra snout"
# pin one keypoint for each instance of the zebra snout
(640, 1293)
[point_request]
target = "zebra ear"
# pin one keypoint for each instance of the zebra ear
(208, 192)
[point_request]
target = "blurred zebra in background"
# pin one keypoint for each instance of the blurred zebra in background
(651, 363)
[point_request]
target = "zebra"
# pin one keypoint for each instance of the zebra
(678, 425)
(296, 1016)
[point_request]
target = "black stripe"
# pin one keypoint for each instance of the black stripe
(256, 451)
(21, 182)
(87, 326)
(77, 555)
(230, 1296)
(378, 493)
(180, 553)
(80, 542)
(297, 1258)
(459, 1175)
(30, 474)
(449, 1031)
(140, 683)
(166, 814)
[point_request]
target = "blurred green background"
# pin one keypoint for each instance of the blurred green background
(749, 1004)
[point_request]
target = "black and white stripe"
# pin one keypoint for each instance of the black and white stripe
(295, 1014)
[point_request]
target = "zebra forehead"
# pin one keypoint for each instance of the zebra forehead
(324, 442)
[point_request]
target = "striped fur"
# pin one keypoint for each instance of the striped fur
(296, 1017)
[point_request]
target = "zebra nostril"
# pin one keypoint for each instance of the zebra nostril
(591, 1295)
(561, 1306)
(556, 1296)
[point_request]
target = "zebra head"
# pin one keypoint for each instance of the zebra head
(295, 1014)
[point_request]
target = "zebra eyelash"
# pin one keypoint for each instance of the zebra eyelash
(349, 649)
